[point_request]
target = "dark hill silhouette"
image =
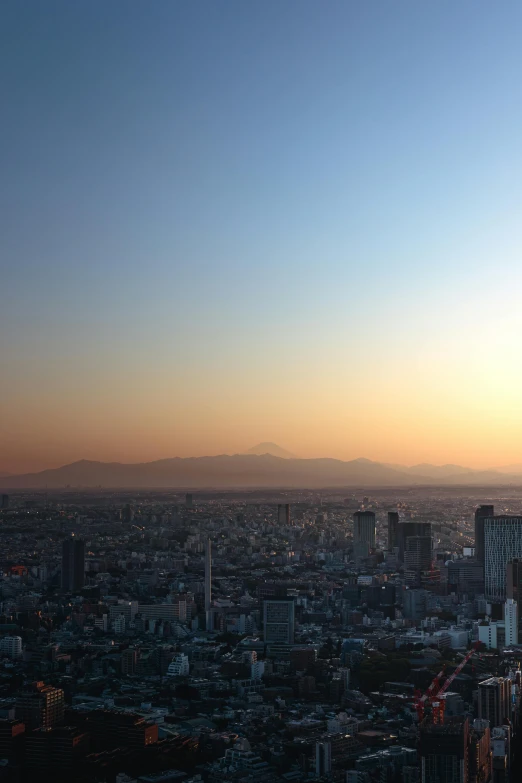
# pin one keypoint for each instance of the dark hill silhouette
(240, 470)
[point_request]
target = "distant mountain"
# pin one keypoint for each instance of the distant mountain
(514, 469)
(239, 470)
(270, 448)
(454, 474)
(244, 471)
(437, 471)
(426, 470)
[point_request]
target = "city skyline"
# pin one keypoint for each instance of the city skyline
(237, 223)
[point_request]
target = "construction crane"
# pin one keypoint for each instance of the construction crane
(434, 695)
(439, 702)
(421, 701)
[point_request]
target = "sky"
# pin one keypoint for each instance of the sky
(225, 222)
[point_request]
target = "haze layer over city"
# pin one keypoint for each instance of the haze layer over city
(260, 418)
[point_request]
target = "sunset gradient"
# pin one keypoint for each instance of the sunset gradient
(227, 222)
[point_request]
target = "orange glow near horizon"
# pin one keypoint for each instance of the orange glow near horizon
(396, 417)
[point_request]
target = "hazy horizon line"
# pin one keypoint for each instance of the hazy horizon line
(232, 453)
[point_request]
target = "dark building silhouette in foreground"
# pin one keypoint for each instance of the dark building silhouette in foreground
(444, 751)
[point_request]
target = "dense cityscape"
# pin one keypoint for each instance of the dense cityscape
(260, 637)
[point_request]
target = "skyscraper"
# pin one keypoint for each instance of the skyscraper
(417, 554)
(502, 543)
(407, 529)
(482, 513)
(208, 586)
(444, 751)
(393, 524)
(494, 700)
(364, 528)
(73, 564)
(279, 621)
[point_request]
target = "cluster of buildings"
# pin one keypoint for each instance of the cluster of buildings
(260, 637)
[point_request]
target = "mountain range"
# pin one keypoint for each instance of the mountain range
(253, 470)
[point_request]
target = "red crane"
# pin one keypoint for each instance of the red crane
(420, 701)
(434, 695)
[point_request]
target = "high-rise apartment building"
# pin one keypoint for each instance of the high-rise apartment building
(278, 621)
(482, 513)
(364, 528)
(494, 697)
(40, 706)
(73, 564)
(393, 525)
(443, 751)
(502, 543)
(407, 529)
(418, 553)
